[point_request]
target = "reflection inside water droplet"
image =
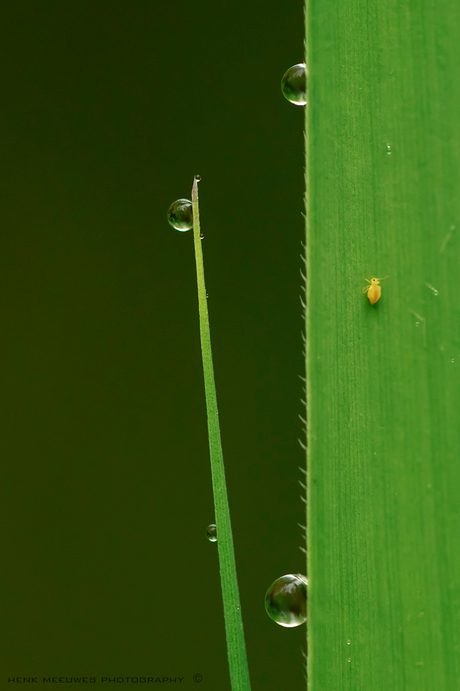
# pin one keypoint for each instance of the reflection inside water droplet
(286, 600)
(294, 84)
(211, 532)
(180, 215)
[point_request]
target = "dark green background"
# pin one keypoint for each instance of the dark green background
(107, 111)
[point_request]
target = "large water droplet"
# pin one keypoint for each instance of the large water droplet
(294, 84)
(180, 215)
(211, 533)
(286, 600)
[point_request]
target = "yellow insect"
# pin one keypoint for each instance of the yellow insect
(374, 290)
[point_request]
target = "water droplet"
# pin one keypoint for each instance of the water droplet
(211, 533)
(201, 237)
(286, 600)
(416, 323)
(349, 659)
(388, 148)
(435, 291)
(207, 296)
(453, 360)
(180, 215)
(198, 178)
(348, 642)
(294, 84)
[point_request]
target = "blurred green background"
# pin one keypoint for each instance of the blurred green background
(108, 109)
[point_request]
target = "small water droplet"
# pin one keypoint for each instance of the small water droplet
(416, 323)
(211, 532)
(349, 659)
(286, 600)
(180, 215)
(201, 237)
(435, 291)
(388, 148)
(348, 642)
(294, 84)
(207, 296)
(198, 178)
(453, 360)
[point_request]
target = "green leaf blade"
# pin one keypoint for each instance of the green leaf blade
(384, 391)
(236, 646)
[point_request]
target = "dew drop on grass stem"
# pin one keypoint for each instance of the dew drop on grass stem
(211, 533)
(180, 215)
(286, 600)
(294, 84)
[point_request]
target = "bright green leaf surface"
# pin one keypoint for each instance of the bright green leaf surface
(383, 181)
